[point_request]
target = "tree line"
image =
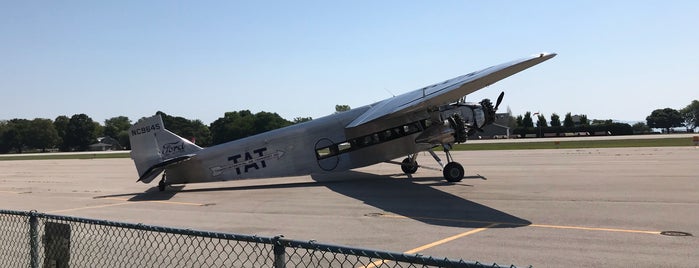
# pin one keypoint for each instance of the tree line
(78, 132)
(666, 118)
(524, 125)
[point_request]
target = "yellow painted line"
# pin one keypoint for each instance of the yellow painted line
(449, 239)
(445, 219)
(126, 202)
(531, 225)
(178, 203)
(594, 229)
(436, 243)
(9, 192)
(90, 207)
(158, 201)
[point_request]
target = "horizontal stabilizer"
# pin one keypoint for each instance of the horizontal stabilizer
(156, 169)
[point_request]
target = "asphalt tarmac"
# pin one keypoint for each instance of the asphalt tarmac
(546, 208)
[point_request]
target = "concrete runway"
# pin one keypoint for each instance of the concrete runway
(580, 207)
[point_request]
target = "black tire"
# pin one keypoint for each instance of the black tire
(408, 167)
(161, 185)
(453, 172)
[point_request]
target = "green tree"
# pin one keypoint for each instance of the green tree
(527, 121)
(520, 121)
(241, 124)
(640, 128)
(41, 134)
(265, 121)
(541, 121)
(555, 120)
(4, 126)
(20, 134)
(511, 121)
(80, 133)
(9, 139)
(98, 128)
(232, 126)
(13, 135)
(665, 118)
(342, 108)
(690, 115)
(568, 121)
(583, 120)
(113, 126)
(124, 139)
(61, 126)
(118, 128)
(193, 130)
(299, 120)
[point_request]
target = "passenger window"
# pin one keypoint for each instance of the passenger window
(345, 146)
(326, 152)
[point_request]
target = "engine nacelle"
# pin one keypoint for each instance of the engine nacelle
(454, 123)
(437, 134)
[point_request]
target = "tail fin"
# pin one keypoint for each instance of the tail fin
(153, 147)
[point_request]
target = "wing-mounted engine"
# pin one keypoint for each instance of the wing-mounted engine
(455, 122)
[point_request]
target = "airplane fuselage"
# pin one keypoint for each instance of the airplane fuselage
(318, 146)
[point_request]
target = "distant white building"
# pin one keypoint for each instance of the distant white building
(499, 129)
(106, 144)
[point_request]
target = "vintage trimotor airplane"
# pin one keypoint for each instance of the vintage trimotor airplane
(404, 125)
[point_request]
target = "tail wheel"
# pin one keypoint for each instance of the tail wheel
(453, 172)
(161, 184)
(408, 166)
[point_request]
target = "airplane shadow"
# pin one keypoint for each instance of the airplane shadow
(400, 198)
(412, 198)
(152, 194)
(417, 201)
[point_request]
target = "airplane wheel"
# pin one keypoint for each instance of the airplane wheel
(161, 185)
(408, 167)
(453, 172)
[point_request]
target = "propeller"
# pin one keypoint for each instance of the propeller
(490, 110)
(497, 103)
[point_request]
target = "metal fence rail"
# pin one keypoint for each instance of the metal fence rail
(31, 239)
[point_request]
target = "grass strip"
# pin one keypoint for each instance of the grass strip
(575, 144)
(63, 156)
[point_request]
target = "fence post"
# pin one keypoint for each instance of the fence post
(279, 252)
(33, 240)
(56, 244)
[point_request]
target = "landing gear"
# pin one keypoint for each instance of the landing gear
(409, 165)
(453, 172)
(161, 184)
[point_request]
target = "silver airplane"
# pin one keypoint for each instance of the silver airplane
(404, 125)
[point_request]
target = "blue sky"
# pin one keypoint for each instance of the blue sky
(199, 59)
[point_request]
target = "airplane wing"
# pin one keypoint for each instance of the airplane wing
(446, 92)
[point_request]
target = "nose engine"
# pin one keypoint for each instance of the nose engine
(455, 122)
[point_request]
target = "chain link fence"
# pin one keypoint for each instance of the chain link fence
(31, 239)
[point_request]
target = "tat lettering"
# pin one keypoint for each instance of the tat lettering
(249, 160)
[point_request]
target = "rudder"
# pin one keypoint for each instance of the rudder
(153, 147)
